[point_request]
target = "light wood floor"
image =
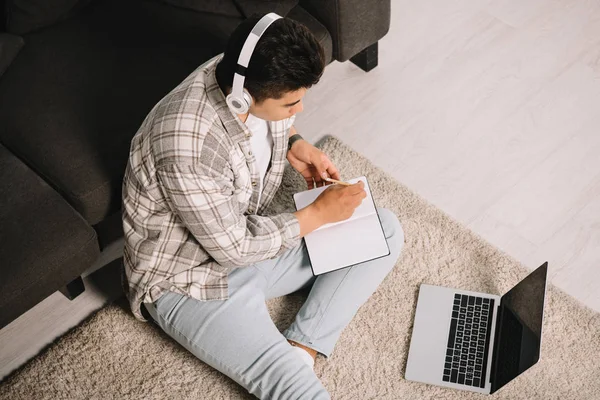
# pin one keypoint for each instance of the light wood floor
(491, 111)
(488, 109)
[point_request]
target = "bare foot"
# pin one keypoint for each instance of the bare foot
(313, 353)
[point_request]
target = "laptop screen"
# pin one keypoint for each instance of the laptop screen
(519, 328)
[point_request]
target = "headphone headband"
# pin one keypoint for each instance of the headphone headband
(238, 101)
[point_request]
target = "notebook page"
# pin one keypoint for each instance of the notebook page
(303, 199)
(348, 244)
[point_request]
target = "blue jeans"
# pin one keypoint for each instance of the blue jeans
(237, 336)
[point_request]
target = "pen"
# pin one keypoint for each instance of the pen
(336, 181)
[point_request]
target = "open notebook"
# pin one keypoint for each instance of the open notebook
(342, 244)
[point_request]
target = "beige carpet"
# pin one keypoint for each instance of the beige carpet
(114, 356)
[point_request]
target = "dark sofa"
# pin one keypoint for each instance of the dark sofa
(76, 80)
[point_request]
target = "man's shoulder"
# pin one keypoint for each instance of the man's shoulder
(189, 138)
(184, 126)
(188, 100)
(186, 123)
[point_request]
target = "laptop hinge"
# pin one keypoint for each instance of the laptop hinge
(493, 379)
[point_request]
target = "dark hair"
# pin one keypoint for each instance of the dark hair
(286, 58)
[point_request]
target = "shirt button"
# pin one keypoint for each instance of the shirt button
(250, 210)
(250, 153)
(253, 183)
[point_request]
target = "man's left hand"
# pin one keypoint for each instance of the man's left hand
(312, 164)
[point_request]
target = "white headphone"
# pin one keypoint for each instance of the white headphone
(239, 99)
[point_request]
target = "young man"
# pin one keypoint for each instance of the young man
(200, 257)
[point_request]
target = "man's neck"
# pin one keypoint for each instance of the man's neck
(243, 117)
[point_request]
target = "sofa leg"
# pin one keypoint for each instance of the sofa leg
(366, 59)
(73, 288)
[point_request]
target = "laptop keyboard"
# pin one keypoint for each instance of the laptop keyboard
(468, 340)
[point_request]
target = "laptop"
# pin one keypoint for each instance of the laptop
(477, 341)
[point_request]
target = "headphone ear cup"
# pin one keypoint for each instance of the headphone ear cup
(236, 104)
(248, 99)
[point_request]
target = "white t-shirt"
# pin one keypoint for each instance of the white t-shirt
(261, 142)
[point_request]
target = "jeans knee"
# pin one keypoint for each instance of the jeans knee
(393, 231)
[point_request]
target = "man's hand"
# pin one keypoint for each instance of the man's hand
(311, 163)
(336, 203)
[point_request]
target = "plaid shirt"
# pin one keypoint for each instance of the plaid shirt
(190, 195)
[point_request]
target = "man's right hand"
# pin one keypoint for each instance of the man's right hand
(338, 202)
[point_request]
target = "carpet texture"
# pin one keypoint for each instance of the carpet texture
(112, 355)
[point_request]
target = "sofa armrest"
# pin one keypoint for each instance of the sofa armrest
(10, 45)
(353, 24)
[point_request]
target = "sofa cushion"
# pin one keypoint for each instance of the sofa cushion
(220, 7)
(249, 7)
(236, 8)
(10, 45)
(78, 91)
(45, 243)
(24, 16)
